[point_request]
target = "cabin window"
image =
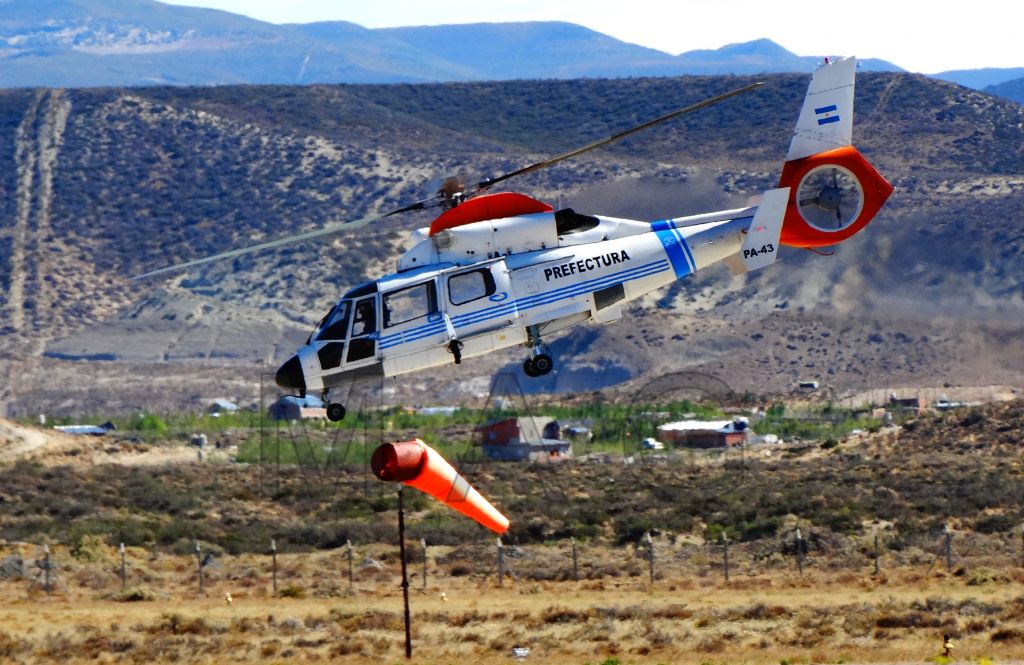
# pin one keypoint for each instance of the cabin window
(469, 286)
(409, 304)
(365, 320)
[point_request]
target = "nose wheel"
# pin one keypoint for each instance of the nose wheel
(335, 412)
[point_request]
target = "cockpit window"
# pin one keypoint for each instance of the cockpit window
(335, 324)
(409, 303)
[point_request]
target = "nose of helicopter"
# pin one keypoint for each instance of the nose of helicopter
(289, 375)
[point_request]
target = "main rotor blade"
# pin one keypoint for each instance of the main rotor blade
(484, 184)
(327, 230)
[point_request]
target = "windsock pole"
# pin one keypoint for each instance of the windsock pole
(405, 575)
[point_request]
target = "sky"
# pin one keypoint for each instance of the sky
(920, 36)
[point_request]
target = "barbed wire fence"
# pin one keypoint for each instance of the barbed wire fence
(803, 554)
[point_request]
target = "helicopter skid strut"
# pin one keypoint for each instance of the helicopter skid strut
(539, 363)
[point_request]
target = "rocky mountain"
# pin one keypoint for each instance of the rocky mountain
(979, 79)
(99, 185)
(1012, 89)
(78, 43)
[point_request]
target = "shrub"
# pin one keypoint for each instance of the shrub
(148, 422)
(291, 591)
(134, 595)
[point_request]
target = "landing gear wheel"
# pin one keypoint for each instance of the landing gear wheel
(335, 412)
(542, 364)
(528, 368)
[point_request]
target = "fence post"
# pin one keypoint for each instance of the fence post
(725, 555)
(46, 568)
(575, 560)
(949, 546)
(124, 568)
(800, 551)
(348, 544)
(199, 564)
(501, 564)
(273, 562)
(650, 556)
(878, 555)
(423, 543)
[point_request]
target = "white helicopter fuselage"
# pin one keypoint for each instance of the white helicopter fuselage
(488, 283)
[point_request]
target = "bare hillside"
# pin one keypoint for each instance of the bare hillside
(99, 185)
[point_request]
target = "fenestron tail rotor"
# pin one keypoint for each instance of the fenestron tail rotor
(830, 198)
(452, 191)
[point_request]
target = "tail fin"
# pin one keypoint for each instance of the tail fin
(826, 119)
(834, 191)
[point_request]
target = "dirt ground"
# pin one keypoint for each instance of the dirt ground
(899, 616)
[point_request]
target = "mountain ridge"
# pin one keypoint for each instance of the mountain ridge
(79, 43)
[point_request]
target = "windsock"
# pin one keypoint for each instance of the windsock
(418, 465)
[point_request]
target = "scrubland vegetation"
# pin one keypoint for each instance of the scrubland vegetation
(963, 470)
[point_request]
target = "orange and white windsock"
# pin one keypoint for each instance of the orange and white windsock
(418, 465)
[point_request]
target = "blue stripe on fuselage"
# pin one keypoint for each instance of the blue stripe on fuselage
(674, 246)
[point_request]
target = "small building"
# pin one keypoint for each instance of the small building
(221, 406)
(705, 433)
(525, 438)
(291, 407)
(913, 405)
(89, 430)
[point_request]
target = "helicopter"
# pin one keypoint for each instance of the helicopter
(497, 270)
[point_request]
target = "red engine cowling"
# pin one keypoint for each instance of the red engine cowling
(808, 221)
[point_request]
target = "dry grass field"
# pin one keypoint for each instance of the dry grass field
(773, 617)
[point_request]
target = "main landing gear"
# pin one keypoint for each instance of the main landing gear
(335, 411)
(539, 363)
